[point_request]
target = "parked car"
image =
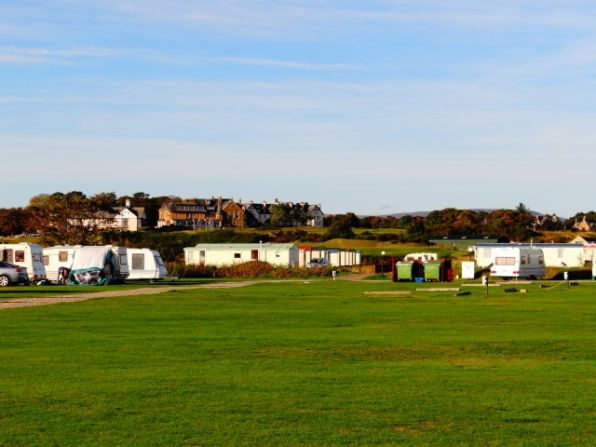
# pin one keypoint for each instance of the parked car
(317, 262)
(12, 274)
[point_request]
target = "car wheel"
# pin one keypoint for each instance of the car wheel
(4, 281)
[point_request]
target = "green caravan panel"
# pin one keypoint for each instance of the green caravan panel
(404, 271)
(432, 271)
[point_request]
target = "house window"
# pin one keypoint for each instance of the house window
(19, 256)
(138, 261)
(236, 255)
(62, 256)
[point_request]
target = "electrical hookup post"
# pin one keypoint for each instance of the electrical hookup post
(566, 278)
(485, 283)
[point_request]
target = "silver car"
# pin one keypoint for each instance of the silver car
(12, 274)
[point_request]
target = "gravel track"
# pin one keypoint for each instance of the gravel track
(28, 302)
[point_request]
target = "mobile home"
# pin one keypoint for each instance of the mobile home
(555, 254)
(229, 254)
(517, 262)
(25, 255)
(335, 257)
(144, 263)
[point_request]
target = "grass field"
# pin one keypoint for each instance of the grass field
(308, 363)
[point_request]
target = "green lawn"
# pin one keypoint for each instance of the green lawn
(309, 363)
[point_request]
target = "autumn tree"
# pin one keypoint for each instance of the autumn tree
(13, 221)
(71, 218)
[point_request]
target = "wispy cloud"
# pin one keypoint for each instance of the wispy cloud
(23, 55)
(272, 16)
(283, 63)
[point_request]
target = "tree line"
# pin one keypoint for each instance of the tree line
(75, 218)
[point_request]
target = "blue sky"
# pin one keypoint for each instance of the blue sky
(372, 107)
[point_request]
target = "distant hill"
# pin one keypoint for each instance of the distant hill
(426, 213)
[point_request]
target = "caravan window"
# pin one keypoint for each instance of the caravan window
(8, 255)
(138, 261)
(62, 256)
(19, 256)
(523, 260)
(46, 260)
(36, 257)
(502, 260)
(236, 255)
(123, 260)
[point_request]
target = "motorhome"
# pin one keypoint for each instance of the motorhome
(25, 255)
(144, 263)
(517, 262)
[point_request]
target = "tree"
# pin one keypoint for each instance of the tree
(70, 218)
(286, 215)
(341, 226)
(13, 221)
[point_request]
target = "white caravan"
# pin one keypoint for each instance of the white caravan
(593, 268)
(57, 258)
(517, 262)
(61, 257)
(144, 263)
(25, 255)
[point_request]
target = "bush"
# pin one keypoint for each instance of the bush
(252, 269)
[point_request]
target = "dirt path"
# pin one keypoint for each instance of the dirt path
(28, 302)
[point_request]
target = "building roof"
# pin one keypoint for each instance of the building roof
(255, 246)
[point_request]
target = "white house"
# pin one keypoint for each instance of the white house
(555, 255)
(219, 255)
(128, 219)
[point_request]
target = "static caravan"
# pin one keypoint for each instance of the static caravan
(25, 255)
(220, 255)
(144, 263)
(335, 257)
(517, 262)
(555, 254)
(594, 269)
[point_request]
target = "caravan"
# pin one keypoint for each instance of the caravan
(144, 263)
(95, 266)
(58, 259)
(25, 255)
(61, 259)
(517, 262)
